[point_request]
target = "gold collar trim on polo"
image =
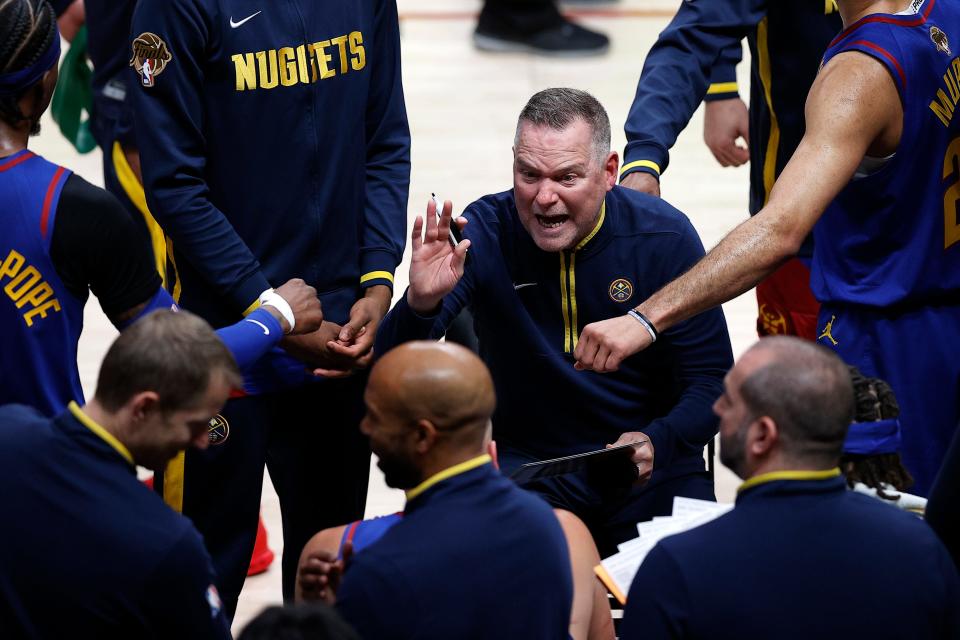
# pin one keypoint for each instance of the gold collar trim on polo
(455, 470)
(773, 476)
(104, 435)
(596, 228)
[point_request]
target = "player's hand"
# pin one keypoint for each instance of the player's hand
(303, 300)
(355, 340)
(642, 454)
(724, 122)
(320, 573)
(643, 182)
(71, 20)
(314, 350)
(435, 266)
(604, 345)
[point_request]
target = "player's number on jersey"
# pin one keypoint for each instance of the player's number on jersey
(951, 197)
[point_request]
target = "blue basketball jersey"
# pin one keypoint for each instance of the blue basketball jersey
(893, 237)
(364, 533)
(41, 321)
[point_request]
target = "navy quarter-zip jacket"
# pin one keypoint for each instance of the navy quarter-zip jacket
(530, 306)
(275, 144)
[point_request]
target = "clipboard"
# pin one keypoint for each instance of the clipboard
(613, 465)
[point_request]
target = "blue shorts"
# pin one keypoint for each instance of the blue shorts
(917, 351)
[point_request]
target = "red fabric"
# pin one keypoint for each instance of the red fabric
(900, 20)
(351, 531)
(10, 164)
(886, 54)
(785, 304)
(262, 554)
(48, 201)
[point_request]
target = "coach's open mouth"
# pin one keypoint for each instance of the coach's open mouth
(551, 222)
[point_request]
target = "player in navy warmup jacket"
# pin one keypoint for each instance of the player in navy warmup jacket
(876, 172)
(274, 144)
(695, 59)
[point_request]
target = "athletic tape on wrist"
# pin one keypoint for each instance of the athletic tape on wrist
(275, 300)
(642, 319)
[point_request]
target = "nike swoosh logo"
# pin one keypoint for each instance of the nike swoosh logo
(517, 287)
(234, 25)
(266, 331)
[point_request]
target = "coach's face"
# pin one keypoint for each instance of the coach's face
(559, 184)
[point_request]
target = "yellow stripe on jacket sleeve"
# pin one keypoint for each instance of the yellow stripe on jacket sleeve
(722, 87)
(648, 164)
(253, 307)
(376, 275)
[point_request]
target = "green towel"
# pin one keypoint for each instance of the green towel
(74, 95)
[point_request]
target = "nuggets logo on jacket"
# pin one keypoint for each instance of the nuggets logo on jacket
(150, 57)
(940, 40)
(218, 430)
(620, 290)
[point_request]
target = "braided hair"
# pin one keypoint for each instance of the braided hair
(27, 30)
(874, 401)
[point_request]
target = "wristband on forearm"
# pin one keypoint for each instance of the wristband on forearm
(642, 319)
(275, 300)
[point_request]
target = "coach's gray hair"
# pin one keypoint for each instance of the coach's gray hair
(558, 108)
(808, 392)
(172, 354)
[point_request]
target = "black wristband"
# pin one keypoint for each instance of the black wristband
(642, 319)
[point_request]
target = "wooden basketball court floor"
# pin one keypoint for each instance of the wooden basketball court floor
(463, 106)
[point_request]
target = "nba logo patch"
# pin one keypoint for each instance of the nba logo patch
(150, 57)
(213, 599)
(218, 430)
(620, 290)
(939, 39)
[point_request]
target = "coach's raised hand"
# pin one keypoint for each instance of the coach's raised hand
(435, 266)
